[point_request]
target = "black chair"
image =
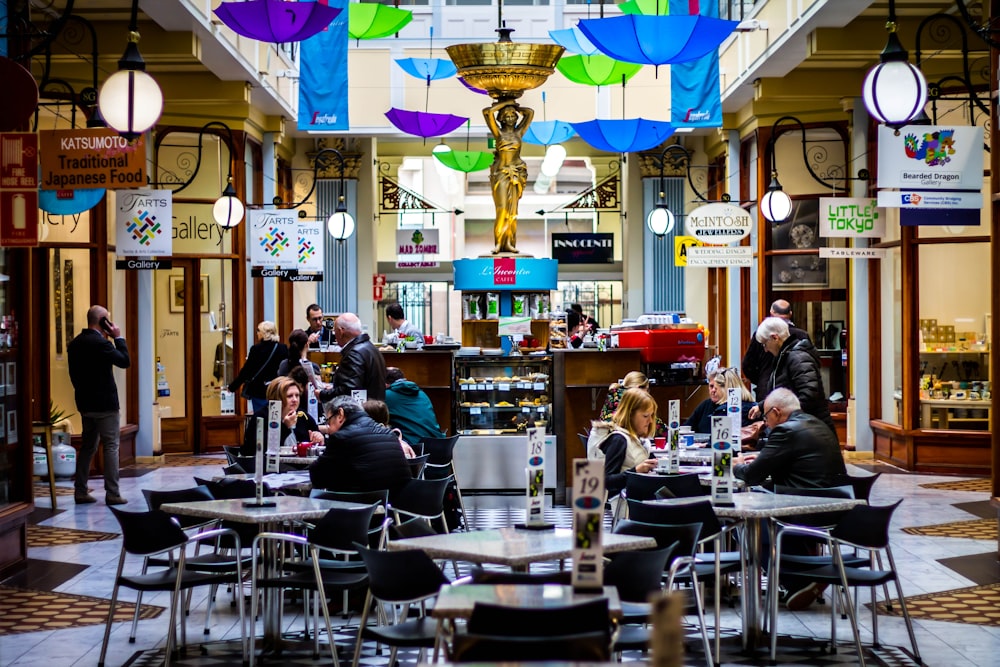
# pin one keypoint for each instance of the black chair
(422, 498)
(399, 578)
(685, 485)
(380, 498)
(248, 463)
(233, 469)
(501, 633)
(636, 575)
(417, 464)
(641, 487)
(862, 527)
(415, 527)
(152, 533)
(232, 452)
(441, 464)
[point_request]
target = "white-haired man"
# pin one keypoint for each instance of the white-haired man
(361, 365)
(757, 363)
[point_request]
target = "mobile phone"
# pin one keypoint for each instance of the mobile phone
(106, 324)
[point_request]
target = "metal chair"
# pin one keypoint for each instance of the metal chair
(636, 575)
(422, 498)
(441, 464)
(153, 533)
(417, 464)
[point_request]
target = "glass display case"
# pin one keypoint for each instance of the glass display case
(503, 394)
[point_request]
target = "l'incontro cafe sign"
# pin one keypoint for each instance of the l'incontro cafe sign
(90, 158)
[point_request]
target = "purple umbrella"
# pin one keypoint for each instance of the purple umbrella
(624, 136)
(635, 38)
(472, 88)
(423, 124)
(276, 20)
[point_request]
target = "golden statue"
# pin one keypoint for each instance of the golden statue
(508, 173)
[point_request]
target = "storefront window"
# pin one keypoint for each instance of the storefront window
(69, 299)
(600, 299)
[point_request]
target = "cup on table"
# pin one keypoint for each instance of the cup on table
(428, 340)
(662, 460)
(324, 346)
(303, 448)
(687, 440)
(659, 443)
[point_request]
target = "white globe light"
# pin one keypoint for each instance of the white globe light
(553, 161)
(775, 205)
(340, 225)
(894, 92)
(228, 211)
(441, 148)
(131, 102)
(660, 221)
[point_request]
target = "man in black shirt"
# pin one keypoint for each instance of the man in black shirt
(317, 332)
(757, 362)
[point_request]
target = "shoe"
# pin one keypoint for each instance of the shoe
(85, 499)
(115, 500)
(805, 596)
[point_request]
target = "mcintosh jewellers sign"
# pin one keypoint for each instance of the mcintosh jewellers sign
(718, 223)
(583, 248)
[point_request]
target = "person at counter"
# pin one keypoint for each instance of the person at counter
(716, 405)
(296, 425)
(589, 322)
(317, 332)
(632, 380)
(400, 326)
(410, 409)
(360, 455)
(361, 364)
(619, 443)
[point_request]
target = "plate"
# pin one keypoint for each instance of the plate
(492, 351)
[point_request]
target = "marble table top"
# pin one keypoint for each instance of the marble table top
(754, 505)
(511, 546)
(457, 601)
(286, 508)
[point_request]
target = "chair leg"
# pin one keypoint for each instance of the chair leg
(718, 610)
(111, 613)
(850, 608)
(135, 617)
(361, 628)
(699, 608)
(321, 594)
(902, 604)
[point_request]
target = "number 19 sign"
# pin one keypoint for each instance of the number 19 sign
(588, 522)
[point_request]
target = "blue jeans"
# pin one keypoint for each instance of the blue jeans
(103, 426)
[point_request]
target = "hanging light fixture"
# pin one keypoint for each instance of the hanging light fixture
(661, 219)
(775, 205)
(130, 100)
(228, 210)
(894, 91)
(340, 224)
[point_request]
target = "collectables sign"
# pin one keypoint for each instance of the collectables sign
(718, 223)
(90, 158)
(274, 237)
(144, 223)
(851, 217)
(931, 157)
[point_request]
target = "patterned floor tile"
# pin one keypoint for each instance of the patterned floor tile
(981, 485)
(49, 536)
(24, 610)
(978, 605)
(977, 529)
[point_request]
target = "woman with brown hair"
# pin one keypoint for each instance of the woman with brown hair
(296, 425)
(632, 380)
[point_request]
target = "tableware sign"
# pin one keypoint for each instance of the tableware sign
(722, 462)
(674, 436)
(536, 477)
(588, 522)
(735, 411)
(273, 435)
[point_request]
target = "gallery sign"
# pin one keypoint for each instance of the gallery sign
(144, 223)
(273, 237)
(91, 158)
(718, 223)
(931, 157)
(310, 256)
(851, 217)
(583, 248)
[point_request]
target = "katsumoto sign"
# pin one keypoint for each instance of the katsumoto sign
(90, 158)
(718, 223)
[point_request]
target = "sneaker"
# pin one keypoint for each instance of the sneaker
(115, 500)
(84, 499)
(802, 598)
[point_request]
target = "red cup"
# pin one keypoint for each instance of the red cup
(303, 448)
(428, 340)
(660, 443)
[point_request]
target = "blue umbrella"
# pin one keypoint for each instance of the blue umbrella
(573, 41)
(428, 68)
(635, 38)
(624, 136)
(549, 132)
(69, 202)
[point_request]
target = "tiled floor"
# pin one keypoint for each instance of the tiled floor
(928, 564)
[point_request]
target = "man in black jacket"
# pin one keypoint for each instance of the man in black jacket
(361, 364)
(92, 355)
(757, 363)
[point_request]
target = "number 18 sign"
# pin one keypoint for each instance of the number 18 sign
(588, 522)
(536, 478)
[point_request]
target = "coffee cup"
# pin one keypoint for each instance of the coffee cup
(662, 461)
(687, 440)
(303, 448)
(659, 443)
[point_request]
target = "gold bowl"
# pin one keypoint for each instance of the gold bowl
(505, 69)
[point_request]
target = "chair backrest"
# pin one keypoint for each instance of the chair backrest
(866, 525)
(417, 464)
(232, 451)
(230, 489)
(584, 439)
(862, 484)
(678, 511)
(248, 463)
(233, 469)
(156, 498)
(505, 621)
(684, 535)
(401, 576)
(483, 576)
(441, 450)
(816, 519)
(641, 487)
(415, 527)
(380, 497)
(146, 533)
(638, 574)
(582, 647)
(341, 527)
(422, 497)
(686, 485)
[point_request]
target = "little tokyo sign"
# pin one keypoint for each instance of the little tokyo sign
(851, 217)
(718, 223)
(506, 273)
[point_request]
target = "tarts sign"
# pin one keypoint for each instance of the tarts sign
(718, 223)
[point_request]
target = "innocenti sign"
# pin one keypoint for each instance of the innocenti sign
(718, 223)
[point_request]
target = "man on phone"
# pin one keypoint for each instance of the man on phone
(93, 354)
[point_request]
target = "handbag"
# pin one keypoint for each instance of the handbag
(243, 389)
(749, 435)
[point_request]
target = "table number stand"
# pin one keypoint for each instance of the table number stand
(588, 525)
(674, 437)
(273, 436)
(535, 496)
(258, 474)
(735, 412)
(722, 462)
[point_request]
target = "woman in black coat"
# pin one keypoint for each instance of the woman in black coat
(261, 366)
(717, 403)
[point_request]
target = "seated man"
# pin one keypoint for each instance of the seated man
(410, 409)
(360, 454)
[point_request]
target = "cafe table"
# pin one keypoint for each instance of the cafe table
(270, 518)
(514, 547)
(754, 509)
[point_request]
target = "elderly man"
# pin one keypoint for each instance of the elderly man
(361, 365)
(796, 367)
(757, 363)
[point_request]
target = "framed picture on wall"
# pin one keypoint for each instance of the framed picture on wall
(831, 334)
(176, 295)
(799, 232)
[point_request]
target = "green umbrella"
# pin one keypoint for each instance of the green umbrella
(371, 20)
(646, 7)
(596, 70)
(465, 160)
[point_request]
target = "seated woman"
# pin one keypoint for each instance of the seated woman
(619, 443)
(296, 425)
(632, 380)
(298, 351)
(379, 412)
(716, 403)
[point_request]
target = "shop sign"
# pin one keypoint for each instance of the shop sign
(273, 237)
(144, 223)
(681, 246)
(850, 217)
(18, 189)
(310, 255)
(195, 230)
(411, 242)
(506, 273)
(718, 223)
(720, 257)
(91, 158)
(931, 157)
(143, 264)
(942, 217)
(925, 199)
(853, 253)
(583, 248)
(286, 275)
(417, 265)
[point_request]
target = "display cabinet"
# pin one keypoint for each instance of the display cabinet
(955, 390)
(481, 312)
(502, 395)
